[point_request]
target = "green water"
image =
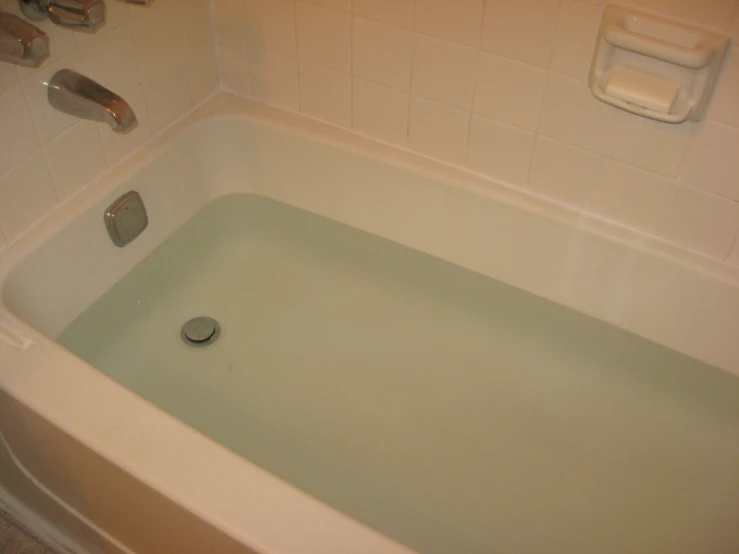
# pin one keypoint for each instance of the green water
(451, 412)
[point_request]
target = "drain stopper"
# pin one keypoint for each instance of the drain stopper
(200, 331)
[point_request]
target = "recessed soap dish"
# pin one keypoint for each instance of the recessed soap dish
(655, 67)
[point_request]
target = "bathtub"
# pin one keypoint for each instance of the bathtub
(90, 466)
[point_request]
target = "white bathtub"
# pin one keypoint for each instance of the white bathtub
(94, 468)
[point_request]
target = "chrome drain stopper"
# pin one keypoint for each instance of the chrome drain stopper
(200, 331)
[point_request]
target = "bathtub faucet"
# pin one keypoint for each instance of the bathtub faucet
(22, 43)
(76, 95)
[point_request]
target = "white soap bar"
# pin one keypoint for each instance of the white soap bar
(643, 90)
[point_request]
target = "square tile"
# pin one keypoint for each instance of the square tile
(394, 12)
(63, 153)
(444, 71)
(438, 130)
(712, 13)
(711, 162)
(8, 77)
(380, 112)
(510, 91)
(325, 94)
(166, 94)
(521, 30)
(202, 71)
(632, 196)
(270, 25)
(500, 151)
(158, 40)
(19, 139)
(343, 5)
(714, 330)
(274, 80)
(26, 195)
(701, 221)
(324, 36)
(650, 145)
(564, 172)
(725, 107)
(457, 21)
(382, 53)
(574, 44)
(234, 71)
(571, 114)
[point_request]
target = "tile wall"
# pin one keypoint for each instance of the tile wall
(160, 58)
(499, 86)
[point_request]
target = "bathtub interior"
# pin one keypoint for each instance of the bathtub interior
(63, 268)
(420, 398)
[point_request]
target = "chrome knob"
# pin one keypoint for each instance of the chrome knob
(22, 43)
(81, 15)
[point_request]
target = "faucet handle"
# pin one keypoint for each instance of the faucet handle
(21, 42)
(82, 15)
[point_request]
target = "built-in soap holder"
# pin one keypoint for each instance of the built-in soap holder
(655, 67)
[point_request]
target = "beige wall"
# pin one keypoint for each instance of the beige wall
(499, 86)
(159, 58)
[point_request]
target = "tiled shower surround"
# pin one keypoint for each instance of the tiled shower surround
(496, 86)
(499, 87)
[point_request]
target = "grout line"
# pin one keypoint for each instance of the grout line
(214, 40)
(475, 87)
(410, 81)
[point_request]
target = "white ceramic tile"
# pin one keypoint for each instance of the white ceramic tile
(325, 94)
(457, 21)
(202, 70)
(8, 76)
(158, 40)
(510, 91)
(394, 12)
(701, 221)
(229, 24)
(167, 95)
(735, 26)
(444, 71)
(344, 5)
(734, 256)
(500, 151)
(270, 25)
(18, 140)
(117, 45)
(324, 36)
(380, 112)
(564, 172)
(651, 145)
(197, 26)
(438, 130)
(571, 114)
(711, 162)
(234, 71)
(274, 80)
(632, 196)
(574, 44)
(70, 175)
(522, 30)
(26, 195)
(714, 13)
(725, 107)
(382, 53)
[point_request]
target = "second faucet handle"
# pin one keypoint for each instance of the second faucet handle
(82, 15)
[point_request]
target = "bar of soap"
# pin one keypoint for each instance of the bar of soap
(642, 89)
